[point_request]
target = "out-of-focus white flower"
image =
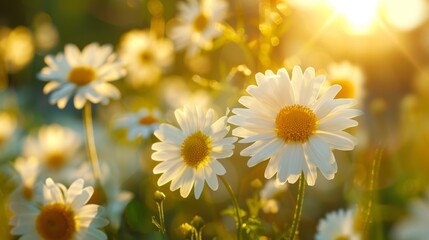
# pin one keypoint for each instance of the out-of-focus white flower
(8, 125)
(16, 48)
(289, 122)
(189, 155)
(45, 33)
(415, 226)
(350, 77)
(197, 24)
(271, 188)
(57, 150)
(338, 225)
(145, 56)
(83, 76)
(109, 194)
(28, 170)
(140, 124)
(63, 214)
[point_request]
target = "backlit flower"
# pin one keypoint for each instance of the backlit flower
(189, 155)
(56, 148)
(8, 125)
(415, 226)
(83, 76)
(28, 170)
(16, 48)
(293, 126)
(140, 124)
(349, 77)
(63, 214)
(145, 56)
(197, 24)
(339, 225)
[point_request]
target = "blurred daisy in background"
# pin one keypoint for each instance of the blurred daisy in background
(83, 76)
(350, 77)
(145, 56)
(291, 124)
(16, 48)
(28, 173)
(268, 193)
(197, 24)
(8, 125)
(415, 226)
(109, 194)
(56, 148)
(63, 214)
(339, 225)
(140, 124)
(189, 155)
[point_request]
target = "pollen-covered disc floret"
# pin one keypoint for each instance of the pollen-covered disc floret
(61, 214)
(289, 122)
(82, 75)
(189, 155)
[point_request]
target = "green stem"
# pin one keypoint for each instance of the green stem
(298, 207)
(90, 143)
(161, 218)
(235, 204)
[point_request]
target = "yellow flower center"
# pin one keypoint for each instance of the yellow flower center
(148, 120)
(347, 88)
(196, 149)
(82, 75)
(342, 238)
(295, 123)
(146, 56)
(200, 23)
(56, 222)
(55, 159)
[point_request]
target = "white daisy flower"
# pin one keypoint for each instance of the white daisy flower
(63, 214)
(56, 148)
(140, 124)
(28, 171)
(197, 24)
(350, 77)
(415, 226)
(338, 225)
(293, 126)
(145, 56)
(189, 155)
(85, 75)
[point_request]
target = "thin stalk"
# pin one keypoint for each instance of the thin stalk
(161, 218)
(298, 207)
(235, 204)
(90, 143)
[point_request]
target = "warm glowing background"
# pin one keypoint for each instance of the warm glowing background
(387, 39)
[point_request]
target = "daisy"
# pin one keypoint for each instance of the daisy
(189, 155)
(350, 77)
(197, 24)
(294, 126)
(56, 148)
(414, 227)
(145, 56)
(338, 225)
(62, 215)
(8, 125)
(82, 75)
(28, 171)
(140, 124)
